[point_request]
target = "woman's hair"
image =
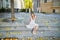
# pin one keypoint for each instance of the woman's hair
(32, 12)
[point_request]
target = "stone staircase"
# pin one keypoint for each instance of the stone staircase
(48, 26)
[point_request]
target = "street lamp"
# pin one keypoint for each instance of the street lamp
(12, 10)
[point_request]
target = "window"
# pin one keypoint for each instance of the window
(6, 0)
(7, 5)
(38, 3)
(45, 1)
(1, 0)
(53, 10)
(56, 3)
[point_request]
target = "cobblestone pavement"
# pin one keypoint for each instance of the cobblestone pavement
(49, 26)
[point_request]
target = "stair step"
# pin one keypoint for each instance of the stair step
(25, 28)
(19, 34)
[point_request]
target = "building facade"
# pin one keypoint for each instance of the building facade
(0, 4)
(49, 6)
(18, 4)
(56, 6)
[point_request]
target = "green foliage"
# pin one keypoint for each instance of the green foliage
(27, 4)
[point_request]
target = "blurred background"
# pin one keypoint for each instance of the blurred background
(15, 15)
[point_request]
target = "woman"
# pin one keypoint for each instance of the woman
(32, 25)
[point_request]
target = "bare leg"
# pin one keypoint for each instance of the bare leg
(34, 30)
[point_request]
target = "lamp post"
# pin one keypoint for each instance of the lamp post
(12, 10)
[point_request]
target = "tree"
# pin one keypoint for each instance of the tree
(28, 3)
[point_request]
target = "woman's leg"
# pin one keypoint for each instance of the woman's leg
(35, 29)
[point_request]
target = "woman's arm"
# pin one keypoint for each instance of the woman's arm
(30, 18)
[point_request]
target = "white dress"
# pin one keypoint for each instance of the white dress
(32, 24)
